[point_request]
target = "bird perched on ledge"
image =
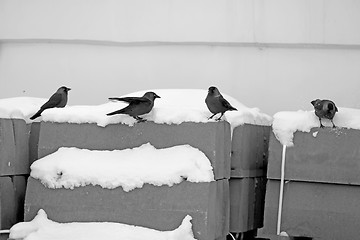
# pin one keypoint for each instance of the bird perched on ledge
(137, 105)
(57, 100)
(324, 109)
(216, 103)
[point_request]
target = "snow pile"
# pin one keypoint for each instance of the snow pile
(128, 168)
(285, 124)
(174, 107)
(41, 228)
(20, 107)
(188, 105)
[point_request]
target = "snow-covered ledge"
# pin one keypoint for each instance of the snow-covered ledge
(174, 107)
(285, 124)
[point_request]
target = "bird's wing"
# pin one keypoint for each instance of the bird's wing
(54, 101)
(130, 99)
(134, 108)
(333, 105)
(140, 102)
(225, 103)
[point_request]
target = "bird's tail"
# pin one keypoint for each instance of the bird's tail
(36, 115)
(116, 112)
(115, 99)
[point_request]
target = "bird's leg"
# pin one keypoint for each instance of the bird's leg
(212, 116)
(219, 118)
(333, 123)
(139, 119)
(322, 126)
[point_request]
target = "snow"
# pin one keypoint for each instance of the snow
(20, 107)
(285, 124)
(174, 107)
(42, 228)
(128, 168)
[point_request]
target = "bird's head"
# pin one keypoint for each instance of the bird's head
(315, 102)
(213, 91)
(151, 95)
(64, 89)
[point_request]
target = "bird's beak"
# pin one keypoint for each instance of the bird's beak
(313, 102)
(68, 89)
(157, 96)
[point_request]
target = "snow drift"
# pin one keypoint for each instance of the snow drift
(42, 228)
(128, 168)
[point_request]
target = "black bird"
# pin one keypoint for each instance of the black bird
(216, 103)
(137, 105)
(57, 100)
(324, 109)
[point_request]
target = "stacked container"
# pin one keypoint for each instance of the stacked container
(161, 208)
(14, 169)
(321, 198)
(248, 177)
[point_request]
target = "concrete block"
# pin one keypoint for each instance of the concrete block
(22, 136)
(34, 141)
(14, 147)
(212, 138)
(4, 236)
(322, 155)
(222, 208)
(319, 210)
(7, 203)
(19, 183)
(12, 194)
(161, 208)
(247, 197)
(249, 151)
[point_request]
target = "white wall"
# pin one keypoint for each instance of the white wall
(276, 55)
(264, 21)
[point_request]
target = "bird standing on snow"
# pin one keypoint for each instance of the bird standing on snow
(324, 109)
(137, 105)
(216, 103)
(57, 100)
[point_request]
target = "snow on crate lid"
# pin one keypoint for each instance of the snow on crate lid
(128, 168)
(20, 107)
(285, 124)
(174, 107)
(188, 105)
(42, 228)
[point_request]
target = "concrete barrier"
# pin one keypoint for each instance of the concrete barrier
(14, 147)
(247, 200)
(321, 191)
(322, 211)
(247, 182)
(161, 208)
(212, 138)
(12, 193)
(249, 151)
(322, 155)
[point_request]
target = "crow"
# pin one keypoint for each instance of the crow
(57, 100)
(216, 103)
(137, 105)
(324, 109)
